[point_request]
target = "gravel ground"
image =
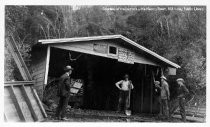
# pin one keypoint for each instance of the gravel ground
(78, 115)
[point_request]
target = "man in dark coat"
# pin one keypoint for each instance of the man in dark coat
(181, 91)
(63, 93)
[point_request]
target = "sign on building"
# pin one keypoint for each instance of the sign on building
(125, 56)
(171, 71)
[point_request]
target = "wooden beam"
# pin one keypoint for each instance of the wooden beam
(28, 102)
(81, 50)
(15, 102)
(18, 83)
(5, 118)
(18, 58)
(39, 102)
(47, 65)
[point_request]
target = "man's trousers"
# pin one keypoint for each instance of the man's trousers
(164, 110)
(61, 109)
(180, 102)
(123, 99)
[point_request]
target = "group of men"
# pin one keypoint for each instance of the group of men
(125, 86)
(165, 111)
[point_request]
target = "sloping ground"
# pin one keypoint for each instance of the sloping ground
(78, 115)
(191, 118)
(195, 109)
(193, 113)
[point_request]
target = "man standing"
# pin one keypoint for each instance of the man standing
(157, 94)
(181, 91)
(63, 93)
(165, 97)
(126, 86)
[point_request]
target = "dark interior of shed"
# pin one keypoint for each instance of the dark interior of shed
(100, 75)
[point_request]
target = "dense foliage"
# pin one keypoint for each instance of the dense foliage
(180, 36)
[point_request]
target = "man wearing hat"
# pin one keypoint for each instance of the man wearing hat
(63, 93)
(165, 97)
(181, 91)
(126, 86)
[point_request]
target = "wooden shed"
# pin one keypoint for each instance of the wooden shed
(101, 61)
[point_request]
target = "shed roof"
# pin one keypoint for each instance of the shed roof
(78, 39)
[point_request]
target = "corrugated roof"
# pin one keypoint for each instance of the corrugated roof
(76, 39)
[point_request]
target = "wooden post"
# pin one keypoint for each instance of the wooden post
(145, 70)
(5, 118)
(161, 71)
(15, 102)
(47, 66)
(38, 101)
(142, 88)
(151, 94)
(28, 102)
(142, 94)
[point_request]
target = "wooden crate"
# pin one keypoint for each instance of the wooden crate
(21, 102)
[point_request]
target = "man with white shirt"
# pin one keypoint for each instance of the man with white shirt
(126, 86)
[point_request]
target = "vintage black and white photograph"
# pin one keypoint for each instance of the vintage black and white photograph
(105, 63)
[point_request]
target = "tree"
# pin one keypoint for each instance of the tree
(180, 36)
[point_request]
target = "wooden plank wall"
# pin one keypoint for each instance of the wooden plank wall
(144, 97)
(38, 67)
(87, 47)
(21, 104)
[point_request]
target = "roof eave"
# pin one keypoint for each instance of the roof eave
(150, 52)
(55, 41)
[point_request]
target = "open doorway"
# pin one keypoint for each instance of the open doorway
(99, 75)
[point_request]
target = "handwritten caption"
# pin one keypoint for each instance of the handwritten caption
(170, 8)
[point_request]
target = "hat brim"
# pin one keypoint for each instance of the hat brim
(164, 79)
(68, 69)
(180, 81)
